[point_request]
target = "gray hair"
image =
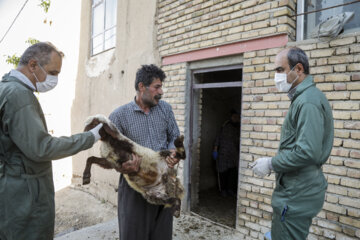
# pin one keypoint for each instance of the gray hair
(297, 55)
(41, 52)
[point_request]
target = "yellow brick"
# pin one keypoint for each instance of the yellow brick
(282, 12)
(340, 68)
(248, 69)
(355, 115)
(355, 95)
(262, 24)
(346, 105)
(334, 208)
(260, 75)
(236, 29)
(341, 59)
(341, 133)
(273, 22)
(342, 51)
(259, 68)
(283, 28)
(260, 60)
(351, 144)
(267, 31)
(248, 27)
(341, 115)
(248, 19)
(250, 34)
(337, 78)
(262, 16)
(322, 53)
(336, 170)
(353, 67)
(325, 86)
(342, 41)
(262, 7)
(319, 70)
(259, 106)
(248, 4)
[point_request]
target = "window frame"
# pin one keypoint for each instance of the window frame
(300, 20)
(300, 24)
(104, 29)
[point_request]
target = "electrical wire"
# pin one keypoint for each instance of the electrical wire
(319, 10)
(13, 21)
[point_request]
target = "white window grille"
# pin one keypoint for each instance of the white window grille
(103, 29)
(307, 22)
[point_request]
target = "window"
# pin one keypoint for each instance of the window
(306, 23)
(103, 25)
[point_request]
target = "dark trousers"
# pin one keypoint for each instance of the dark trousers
(228, 180)
(140, 220)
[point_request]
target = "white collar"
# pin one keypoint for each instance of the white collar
(19, 75)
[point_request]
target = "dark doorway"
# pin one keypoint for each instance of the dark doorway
(216, 93)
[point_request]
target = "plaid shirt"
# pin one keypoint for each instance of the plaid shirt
(156, 130)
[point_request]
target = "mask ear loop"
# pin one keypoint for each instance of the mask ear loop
(296, 75)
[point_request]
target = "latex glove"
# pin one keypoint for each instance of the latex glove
(95, 132)
(262, 166)
(215, 155)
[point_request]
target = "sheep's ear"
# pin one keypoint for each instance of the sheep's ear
(110, 131)
(91, 125)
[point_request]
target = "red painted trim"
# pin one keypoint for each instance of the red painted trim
(228, 49)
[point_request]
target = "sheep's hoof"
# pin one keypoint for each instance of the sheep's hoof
(86, 180)
(176, 208)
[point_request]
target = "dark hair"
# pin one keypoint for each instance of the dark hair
(41, 52)
(146, 75)
(297, 55)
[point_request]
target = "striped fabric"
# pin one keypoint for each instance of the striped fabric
(156, 130)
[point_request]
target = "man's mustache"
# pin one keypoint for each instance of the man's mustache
(157, 97)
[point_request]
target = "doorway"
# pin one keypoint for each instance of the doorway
(215, 94)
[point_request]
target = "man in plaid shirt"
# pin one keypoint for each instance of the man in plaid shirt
(149, 122)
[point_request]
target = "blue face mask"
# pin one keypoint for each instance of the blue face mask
(49, 83)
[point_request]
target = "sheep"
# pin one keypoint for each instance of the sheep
(155, 181)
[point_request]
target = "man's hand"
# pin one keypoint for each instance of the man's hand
(262, 166)
(130, 166)
(172, 160)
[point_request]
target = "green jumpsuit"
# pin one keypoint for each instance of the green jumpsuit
(306, 141)
(27, 209)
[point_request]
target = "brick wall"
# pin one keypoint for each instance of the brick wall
(192, 24)
(335, 66)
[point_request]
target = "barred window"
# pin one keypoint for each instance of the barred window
(103, 30)
(306, 23)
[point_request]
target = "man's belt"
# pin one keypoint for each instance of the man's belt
(18, 172)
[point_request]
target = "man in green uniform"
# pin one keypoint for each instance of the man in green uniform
(306, 141)
(27, 209)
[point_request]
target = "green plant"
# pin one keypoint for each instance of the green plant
(45, 4)
(14, 60)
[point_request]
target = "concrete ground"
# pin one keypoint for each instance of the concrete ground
(80, 216)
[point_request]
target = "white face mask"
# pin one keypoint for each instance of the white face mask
(281, 81)
(49, 83)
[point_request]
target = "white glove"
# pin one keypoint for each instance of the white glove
(95, 131)
(262, 166)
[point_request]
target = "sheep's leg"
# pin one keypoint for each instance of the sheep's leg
(102, 162)
(176, 206)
